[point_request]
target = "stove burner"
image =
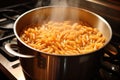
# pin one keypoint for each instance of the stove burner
(5, 35)
(111, 65)
(7, 18)
(10, 64)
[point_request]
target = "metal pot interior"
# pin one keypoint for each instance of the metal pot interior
(43, 14)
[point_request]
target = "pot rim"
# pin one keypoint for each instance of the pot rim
(35, 9)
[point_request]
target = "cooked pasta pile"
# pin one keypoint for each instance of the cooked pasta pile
(65, 38)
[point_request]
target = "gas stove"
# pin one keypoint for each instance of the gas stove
(10, 64)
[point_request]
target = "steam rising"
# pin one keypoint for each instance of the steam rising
(58, 13)
(59, 2)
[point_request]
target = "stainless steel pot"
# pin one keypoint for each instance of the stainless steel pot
(43, 66)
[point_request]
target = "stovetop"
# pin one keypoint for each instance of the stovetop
(10, 64)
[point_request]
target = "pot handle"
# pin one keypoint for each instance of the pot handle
(8, 47)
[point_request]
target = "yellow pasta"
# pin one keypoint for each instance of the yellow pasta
(65, 38)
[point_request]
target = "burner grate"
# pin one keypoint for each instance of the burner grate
(111, 66)
(11, 14)
(7, 18)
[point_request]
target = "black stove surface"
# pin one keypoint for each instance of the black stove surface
(109, 69)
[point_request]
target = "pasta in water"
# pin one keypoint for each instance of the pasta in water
(64, 38)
